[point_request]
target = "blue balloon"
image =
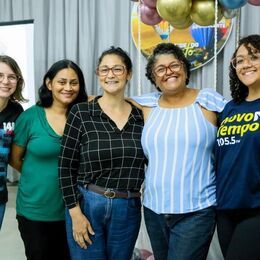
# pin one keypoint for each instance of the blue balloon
(202, 34)
(232, 4)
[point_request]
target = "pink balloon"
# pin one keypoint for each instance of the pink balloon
(149, 15)
(254, 2)
(150, 3)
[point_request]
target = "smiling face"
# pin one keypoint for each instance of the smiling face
(113, 74)
(174, 80)
(248, 71)
(64, 87)
(8, 83)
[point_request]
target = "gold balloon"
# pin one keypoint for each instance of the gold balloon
(183, 25)
(203, 12)
(173, 10)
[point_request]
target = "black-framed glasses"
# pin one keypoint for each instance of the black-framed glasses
(12, 78)
(117, 70)
(239, 61)
(161, 70)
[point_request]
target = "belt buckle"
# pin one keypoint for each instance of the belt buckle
(110, 194)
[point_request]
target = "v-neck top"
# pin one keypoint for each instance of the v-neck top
(179, 145)
(95, 151)
(39, 196)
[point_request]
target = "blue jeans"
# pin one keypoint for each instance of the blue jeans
(2, 212)
(116, 224)
(180, 236)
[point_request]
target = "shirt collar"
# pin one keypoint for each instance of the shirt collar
(95, 110)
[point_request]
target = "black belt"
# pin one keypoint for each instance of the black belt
(111, 193)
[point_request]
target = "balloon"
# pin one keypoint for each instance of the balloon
(184, 24)
(229, 13)
(203, 12)
(202, 35)
(254, 2)
(232, 4)
(149, 15)
(150, 3)
(164, 29)
(173, 10)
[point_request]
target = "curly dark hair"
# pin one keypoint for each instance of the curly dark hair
(239, 91)
(45, 95)
(166, 48)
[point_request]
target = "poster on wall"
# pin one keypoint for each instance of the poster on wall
(16, 40)
(197, 42)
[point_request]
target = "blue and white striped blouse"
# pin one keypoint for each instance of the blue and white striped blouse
(179, 143)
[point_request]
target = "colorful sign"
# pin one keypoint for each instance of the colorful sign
(197, 42)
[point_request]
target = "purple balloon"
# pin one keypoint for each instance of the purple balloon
(254, 2)
(232, 4)
(150, 3)
(149, 15)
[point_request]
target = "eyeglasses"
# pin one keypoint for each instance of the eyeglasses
(12, 78)
(239, 61)
(117, 70)
(161, 70)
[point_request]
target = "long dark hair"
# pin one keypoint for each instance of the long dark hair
(239, 91)
(45, 95)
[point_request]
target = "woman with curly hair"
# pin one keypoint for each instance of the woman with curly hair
(178, 139)
(238, 157)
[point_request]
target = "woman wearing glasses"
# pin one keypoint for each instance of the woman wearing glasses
(11, 85)
(178, 140)
(238, 157)
(102, 167)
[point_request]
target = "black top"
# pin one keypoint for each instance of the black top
(94, 150)
(7, 119)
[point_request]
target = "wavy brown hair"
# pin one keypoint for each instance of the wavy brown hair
(17, 95)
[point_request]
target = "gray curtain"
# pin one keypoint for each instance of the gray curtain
(81, 29)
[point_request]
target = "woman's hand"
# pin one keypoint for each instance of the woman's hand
(81, 227)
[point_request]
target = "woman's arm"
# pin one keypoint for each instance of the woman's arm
(16, 156)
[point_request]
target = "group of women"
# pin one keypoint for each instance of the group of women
(201, 155)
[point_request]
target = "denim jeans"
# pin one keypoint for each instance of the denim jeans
(180, 236)
(116, 224)
(2, 212)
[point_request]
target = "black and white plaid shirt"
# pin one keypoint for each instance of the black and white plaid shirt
(94, 150)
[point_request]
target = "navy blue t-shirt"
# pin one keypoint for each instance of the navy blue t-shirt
(238, 156)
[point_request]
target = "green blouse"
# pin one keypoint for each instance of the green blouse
(39, 196)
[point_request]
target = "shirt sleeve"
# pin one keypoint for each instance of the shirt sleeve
(149, 99)
(22, 127)
(211, 100)
(69, 158)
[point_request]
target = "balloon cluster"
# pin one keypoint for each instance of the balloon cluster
(183, 13)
